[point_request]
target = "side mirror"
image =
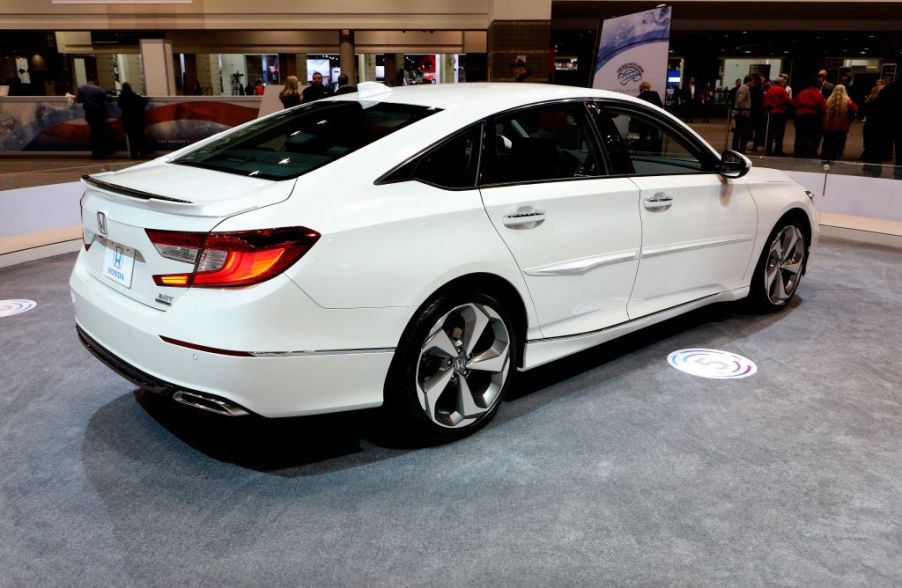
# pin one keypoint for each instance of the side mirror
(734, 164)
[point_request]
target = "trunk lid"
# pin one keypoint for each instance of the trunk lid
(118, 207)
(187, 190)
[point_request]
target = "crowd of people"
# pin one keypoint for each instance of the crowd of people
(822, 114)
(292, 95)
(133, 107)
(695, 100)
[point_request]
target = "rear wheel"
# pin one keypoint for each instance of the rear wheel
(779, 269)
(452, 368)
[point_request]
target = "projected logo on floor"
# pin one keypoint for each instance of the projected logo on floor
(11, 307)
(711, 363)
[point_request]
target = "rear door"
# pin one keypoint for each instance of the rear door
(572, 228)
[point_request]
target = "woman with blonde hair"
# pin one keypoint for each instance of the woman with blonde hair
(290, 95)
(839, 114)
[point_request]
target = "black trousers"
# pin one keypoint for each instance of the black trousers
(98, 139)
(137, 142)
(759, 123)
(776, 130)
(878, 143)
(834, 144)
(743, 133)
(808, 135)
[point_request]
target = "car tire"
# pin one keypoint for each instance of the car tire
(779, 268)
(452, 367)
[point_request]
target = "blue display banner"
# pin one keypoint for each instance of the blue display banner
(633, 49)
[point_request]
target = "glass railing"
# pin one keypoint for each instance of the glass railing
(56, 124)
(26, 172)
(39, 206)
(848, 194)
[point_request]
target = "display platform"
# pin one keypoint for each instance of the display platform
(610, 467)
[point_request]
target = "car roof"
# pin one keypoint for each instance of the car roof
(473, 101)
(478, 97)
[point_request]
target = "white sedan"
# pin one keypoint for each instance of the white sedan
(412, 247)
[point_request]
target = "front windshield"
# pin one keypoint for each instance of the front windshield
(304, 138)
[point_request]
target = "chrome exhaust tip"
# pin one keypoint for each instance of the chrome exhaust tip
(209, 403)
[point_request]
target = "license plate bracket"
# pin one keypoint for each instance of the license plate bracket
(119, 263)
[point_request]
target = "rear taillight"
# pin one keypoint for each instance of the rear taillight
(223, 260)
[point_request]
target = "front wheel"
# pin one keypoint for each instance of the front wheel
(452, 368)
(780, 267)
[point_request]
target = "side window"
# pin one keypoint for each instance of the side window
(542, 143)
(612, 141)
(654, 148)
(450, 164)
(453, 163)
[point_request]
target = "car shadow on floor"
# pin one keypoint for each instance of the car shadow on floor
(313, 445)
(734, 319)
(287, 446)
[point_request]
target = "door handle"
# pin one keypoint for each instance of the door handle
(660, 201)
(526, 217)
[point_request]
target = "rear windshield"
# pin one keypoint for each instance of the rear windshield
(302, 139)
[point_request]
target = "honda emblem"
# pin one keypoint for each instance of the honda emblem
(101, 222)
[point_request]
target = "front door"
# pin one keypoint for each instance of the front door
(698, 227)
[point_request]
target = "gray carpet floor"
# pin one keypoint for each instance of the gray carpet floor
(607, 468)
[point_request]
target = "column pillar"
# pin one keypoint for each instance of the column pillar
(369, 65)
(346, 55)
(512, 39)
(189, 76)
(159, 76)
(206, 71)
(300, 62)
(519, 30)
(130, 71)
(449, 67)
(106, 67)
(287, 66)
(361, 68)
(391, 69)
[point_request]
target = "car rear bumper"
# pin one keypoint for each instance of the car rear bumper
(126, 336)
(157, 386)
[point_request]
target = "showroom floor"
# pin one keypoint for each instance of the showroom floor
(609, 468)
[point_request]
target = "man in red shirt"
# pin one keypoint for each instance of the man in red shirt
(809, 107)
(777, 105)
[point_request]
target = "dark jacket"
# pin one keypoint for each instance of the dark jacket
(312, 93)
(94, 99)
(289, 100)
(133, 107)
(651, 97)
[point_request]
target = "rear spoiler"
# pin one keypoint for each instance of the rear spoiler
(122, 191)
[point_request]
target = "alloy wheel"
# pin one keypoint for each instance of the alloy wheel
(463, 365)
(784, 264)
